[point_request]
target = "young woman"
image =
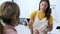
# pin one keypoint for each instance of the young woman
(42, 18)
(9, 14)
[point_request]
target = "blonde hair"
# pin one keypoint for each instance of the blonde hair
(8, 10)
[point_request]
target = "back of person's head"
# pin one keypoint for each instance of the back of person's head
(7, 11)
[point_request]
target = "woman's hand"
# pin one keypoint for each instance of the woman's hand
(35, 31)
(48, 28)
(45, 30)
(30, 25)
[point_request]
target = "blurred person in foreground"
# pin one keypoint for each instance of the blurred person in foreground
(9, 15)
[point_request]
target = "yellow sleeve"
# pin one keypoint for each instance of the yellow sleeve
(50, 21)
(32, 15)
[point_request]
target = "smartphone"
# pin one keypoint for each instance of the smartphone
(58, 27)
(28, 20)
(23, 20)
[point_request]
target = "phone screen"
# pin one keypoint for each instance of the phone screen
(22, 20)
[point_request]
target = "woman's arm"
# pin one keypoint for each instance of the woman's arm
(32, 16)
(49, 27)
(30, 25)
(50, 24)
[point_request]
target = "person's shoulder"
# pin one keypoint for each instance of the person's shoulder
(50, 20)
(51, 16)
(35, 11)
(32, 15)
(9, 31)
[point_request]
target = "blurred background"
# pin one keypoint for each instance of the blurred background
(27, 6)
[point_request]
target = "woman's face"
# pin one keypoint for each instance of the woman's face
(43, 5)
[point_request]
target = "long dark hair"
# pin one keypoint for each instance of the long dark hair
(48, 10)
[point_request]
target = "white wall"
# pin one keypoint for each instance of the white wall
(27, 6)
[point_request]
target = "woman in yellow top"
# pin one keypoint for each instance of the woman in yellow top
(42, 19)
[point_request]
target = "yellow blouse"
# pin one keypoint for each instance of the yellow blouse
(40, 16)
